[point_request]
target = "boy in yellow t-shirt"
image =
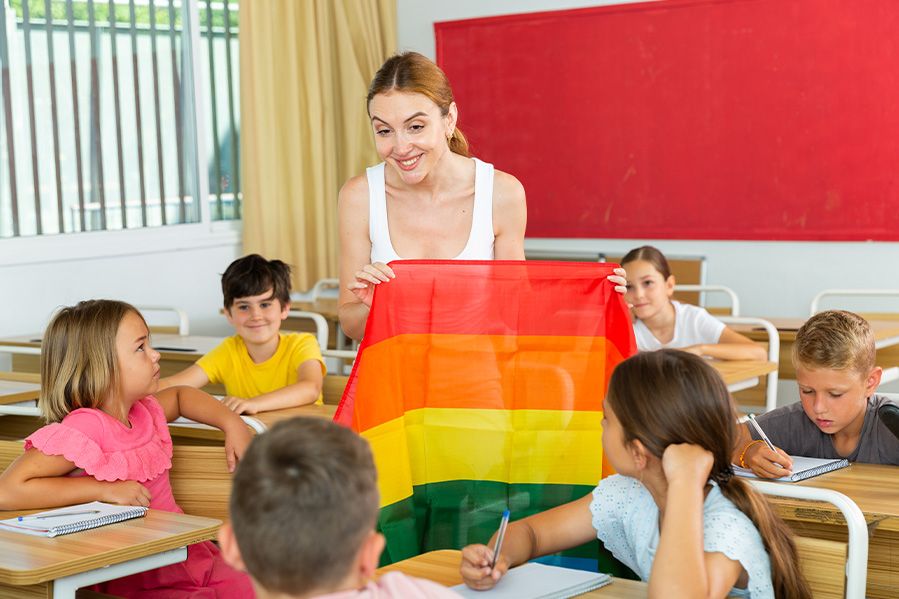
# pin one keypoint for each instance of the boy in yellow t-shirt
(262, 369)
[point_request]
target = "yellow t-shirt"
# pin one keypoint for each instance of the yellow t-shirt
(230, 364)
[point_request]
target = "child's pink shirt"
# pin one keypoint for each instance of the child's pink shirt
(108, 450)
(396, 585)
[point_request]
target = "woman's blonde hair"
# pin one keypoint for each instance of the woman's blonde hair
(79, 364)
(414, 72)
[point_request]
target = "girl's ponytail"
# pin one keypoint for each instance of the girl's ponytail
(786, 576)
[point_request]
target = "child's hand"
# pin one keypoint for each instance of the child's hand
(125, 492)
(766, 463)
(475, 567)
(237, 439)
(239, 405)
(364, 281)
(619, 280)
(684, 462)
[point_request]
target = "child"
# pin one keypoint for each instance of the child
(661, 322)
(303, 514)
(836, 415)
(261, 368)
(674, 514)
(107, 438)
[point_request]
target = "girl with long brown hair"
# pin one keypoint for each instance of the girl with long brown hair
(674, 513)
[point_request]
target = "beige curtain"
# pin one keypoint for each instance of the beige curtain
(305, 66)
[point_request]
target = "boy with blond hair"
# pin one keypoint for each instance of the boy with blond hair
(261, 368)
(303, 510)
(836, 415)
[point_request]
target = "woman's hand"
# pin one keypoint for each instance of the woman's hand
(619, 279)
(237, 438)
(363, 285)
(687, 463)
(125, 492)
(475, 567)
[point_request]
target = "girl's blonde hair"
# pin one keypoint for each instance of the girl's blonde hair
(79, 364)
(414, 72)
(669, 396)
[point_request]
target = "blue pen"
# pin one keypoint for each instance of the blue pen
(57, 515)
(499, 538)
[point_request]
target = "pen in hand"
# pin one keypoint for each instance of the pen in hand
(764, 437)
(498, 545)
(57, 515)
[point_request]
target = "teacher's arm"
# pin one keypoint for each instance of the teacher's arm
(355, 255)
(510, 217)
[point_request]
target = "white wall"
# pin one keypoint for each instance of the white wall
(771, 278)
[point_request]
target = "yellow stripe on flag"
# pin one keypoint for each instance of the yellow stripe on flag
(511, 446)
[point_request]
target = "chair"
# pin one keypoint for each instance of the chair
(817, 554)
(703, 289)
(773, 354)
(321, 325)
(856, 293)
(182, 328)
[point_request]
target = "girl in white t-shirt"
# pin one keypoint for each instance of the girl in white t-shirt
(675, 513)
(661, 322)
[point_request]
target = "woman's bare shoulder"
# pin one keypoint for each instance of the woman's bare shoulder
(507, 190)
(354, 193)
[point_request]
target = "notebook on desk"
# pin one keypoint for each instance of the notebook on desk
(803, 468)
(75, 518)
(539, 581)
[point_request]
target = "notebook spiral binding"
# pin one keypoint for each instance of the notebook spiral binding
(822, 469)
(65, 529)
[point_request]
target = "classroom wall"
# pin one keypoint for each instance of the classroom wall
(771, 278)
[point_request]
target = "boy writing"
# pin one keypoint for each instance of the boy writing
(303, 511)
(261, 368)
(836, 416)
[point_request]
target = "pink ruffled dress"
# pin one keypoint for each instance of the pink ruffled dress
(109, 451)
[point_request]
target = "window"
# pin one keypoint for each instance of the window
(100, 119)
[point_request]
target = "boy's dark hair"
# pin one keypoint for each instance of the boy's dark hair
(252, 275)
(304, 498)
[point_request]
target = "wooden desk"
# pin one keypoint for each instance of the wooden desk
(886, 340)
(15, 388)
(740, 375)
(443, 567)
(875, 489)
(42, 567)
(204, 435)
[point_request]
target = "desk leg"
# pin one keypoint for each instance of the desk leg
(64, 588)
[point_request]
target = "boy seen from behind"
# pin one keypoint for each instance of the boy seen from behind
(836, 416)
(303, 510)
(262, 369)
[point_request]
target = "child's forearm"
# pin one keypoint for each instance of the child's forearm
(49, 492)
(204, 408)
(679, 567)
(291, 396)
(519, 544)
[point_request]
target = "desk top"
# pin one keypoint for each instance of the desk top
(874, 487)
(734, 371)
(171, 346)
(883, 329)
(14, 391)
(443, 567)
(267, 419)
(25, 559)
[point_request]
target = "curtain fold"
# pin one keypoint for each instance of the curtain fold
(304, 73)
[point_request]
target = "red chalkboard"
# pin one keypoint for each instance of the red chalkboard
(690, 119)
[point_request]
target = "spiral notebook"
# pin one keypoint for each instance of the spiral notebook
(539, 581)
(803, 468)
(71, 519)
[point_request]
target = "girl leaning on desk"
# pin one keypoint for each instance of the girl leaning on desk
(429, 198)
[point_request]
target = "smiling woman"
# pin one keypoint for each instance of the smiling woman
(429, 199)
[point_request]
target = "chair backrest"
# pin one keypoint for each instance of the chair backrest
(321, 325)
(855, 294)
(165, 319)
(332, 388)
(773, 353)
(856, 565)
(823, 563)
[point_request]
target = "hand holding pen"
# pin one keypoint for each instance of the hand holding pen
(766, 460)
(482, 567)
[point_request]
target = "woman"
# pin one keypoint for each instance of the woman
(429, 199)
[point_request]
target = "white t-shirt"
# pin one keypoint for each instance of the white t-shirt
(626, 519)
(692, 326)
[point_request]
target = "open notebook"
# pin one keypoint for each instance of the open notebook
(71, 519)
(803, 468)
(539, 581)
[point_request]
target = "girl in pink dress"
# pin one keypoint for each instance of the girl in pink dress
(107, 439)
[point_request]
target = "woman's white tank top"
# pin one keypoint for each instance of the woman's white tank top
(480, 239)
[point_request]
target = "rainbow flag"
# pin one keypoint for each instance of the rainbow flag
(479, 385)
